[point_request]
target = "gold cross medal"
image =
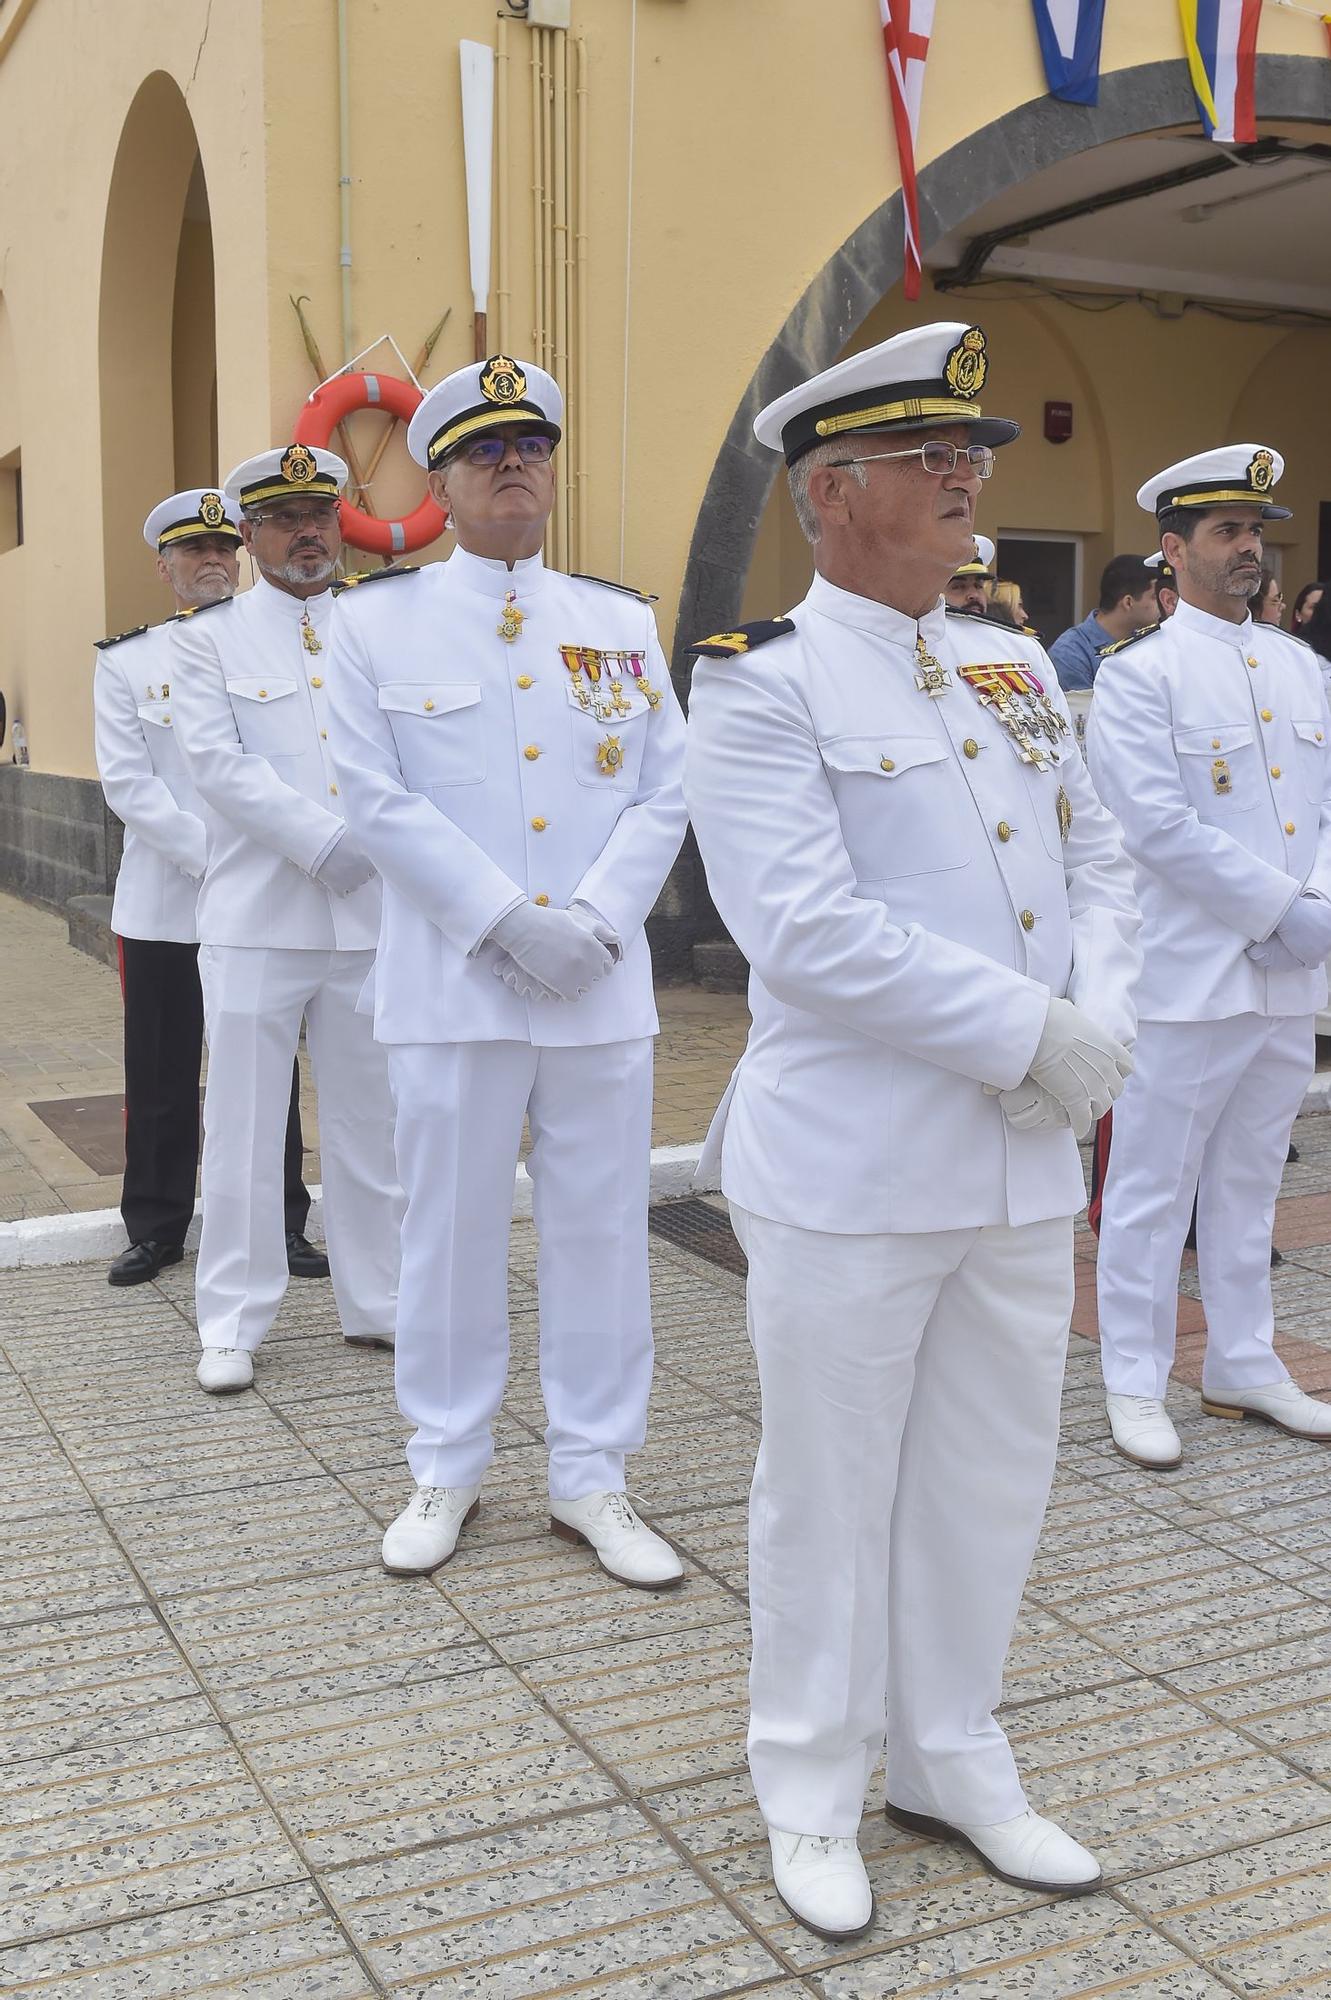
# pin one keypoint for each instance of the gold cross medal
(309, 637)
(636, 664)
(932, 677)
(509, 627)
(610, 756)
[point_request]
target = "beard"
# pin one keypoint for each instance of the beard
(212, 589)
(294, 571)
(1224, 579)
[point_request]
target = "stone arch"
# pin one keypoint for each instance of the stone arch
(868, 264)
(156, 342)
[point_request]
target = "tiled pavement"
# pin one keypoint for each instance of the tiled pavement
(60, 1037)
(237, 1759)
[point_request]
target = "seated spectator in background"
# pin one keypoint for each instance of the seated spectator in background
(1127, 603)
(969, 589)
(1267, 603)
(1006, 608)
(1305, 604)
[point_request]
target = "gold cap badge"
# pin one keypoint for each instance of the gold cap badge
(298, 465)
(502, 381)
(211, 511)
(967, 365)
(1261, 472)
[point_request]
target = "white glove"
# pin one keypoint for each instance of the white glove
(345, 867)
(559, 948)
(1032, 1108)
(1079, 1064)
(1273, 956)
(1305, 929)
(525, 984)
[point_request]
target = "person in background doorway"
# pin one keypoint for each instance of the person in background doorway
(969, 589)
(1127, 603)
(1305, 604)
(1315, 631)
(196, 538)
(1267, 603)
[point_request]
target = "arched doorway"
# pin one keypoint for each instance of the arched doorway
(847, 304)
(156, 341)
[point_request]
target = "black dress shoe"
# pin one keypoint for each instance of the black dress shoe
(303, 1260)
(141, 1262)
(1276, 1257)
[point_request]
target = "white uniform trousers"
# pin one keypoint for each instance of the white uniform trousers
(910, 1400)
(254, 997)
(1208, 1109)
(460, 1107)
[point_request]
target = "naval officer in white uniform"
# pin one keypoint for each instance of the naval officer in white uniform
(1209, 738)
(288, 917)
(196, 538)
(903, 840)
(511, 751)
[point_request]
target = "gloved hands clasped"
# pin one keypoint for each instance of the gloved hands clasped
(345, 867)
(1301, 941)
(1077, 1065)
(549, 954)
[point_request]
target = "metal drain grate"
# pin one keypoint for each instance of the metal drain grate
(700, 1229)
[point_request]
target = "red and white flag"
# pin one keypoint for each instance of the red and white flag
(907, 26)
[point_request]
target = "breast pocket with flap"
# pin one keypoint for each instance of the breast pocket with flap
(439, 730)
(898, 800)
(1220, 768)
(268, 716)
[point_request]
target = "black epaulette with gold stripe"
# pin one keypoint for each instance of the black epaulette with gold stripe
(196, 609)
(1120, 645)
(744, 638)
(628, 589)
(975, 617)
(375, 575)
(102, 644)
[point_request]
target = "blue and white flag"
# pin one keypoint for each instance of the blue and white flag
(1069, 32)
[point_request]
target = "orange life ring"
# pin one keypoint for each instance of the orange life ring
(315, 426)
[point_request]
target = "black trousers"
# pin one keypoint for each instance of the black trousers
(163, 1051)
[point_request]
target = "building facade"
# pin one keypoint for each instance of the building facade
(691, 206)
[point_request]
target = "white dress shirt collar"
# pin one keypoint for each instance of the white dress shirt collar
(1189, 619)
(281, 604)
(867, 614)
(489, 577)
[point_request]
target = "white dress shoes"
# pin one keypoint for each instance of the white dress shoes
(624, 1546)
(425, 1533)
(223, 1370)
(1142, 1432)
(1283, 1404)
(821, 1881)
(1029, 1852)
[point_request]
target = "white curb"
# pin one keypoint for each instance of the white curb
(99, 1233)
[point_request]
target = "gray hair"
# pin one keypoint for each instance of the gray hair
(798, 477)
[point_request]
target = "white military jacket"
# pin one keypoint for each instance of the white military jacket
(1210, 743)
(146, 784)
(476, 770)
(250, 705)
(909, 894)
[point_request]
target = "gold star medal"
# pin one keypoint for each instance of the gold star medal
(932, 677)
(610, 756)
(509, 627)
(1064, 813)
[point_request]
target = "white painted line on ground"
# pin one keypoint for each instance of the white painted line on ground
(99, 1232)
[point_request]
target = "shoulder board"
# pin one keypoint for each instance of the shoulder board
(744, 638)
(196, 610)
(1300, 641)
(102, 644)
(628, 589)
(975, 618)
(1142, 632)
(375, 576)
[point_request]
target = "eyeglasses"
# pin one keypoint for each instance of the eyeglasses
(532, 449)
(288, 519)
(936, 457)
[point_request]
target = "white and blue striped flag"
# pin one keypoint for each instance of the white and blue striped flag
(1070, 32)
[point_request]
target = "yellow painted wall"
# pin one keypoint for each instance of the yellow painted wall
(758, 142)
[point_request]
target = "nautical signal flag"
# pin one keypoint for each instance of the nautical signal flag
(907, 26)
(1070, 32)
(1221, 40)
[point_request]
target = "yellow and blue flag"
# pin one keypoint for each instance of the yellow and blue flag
(1221, 40)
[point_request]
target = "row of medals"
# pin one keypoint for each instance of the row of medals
(1032, 722)
(586, 665)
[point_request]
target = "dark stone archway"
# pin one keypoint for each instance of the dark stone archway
(868, 264)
